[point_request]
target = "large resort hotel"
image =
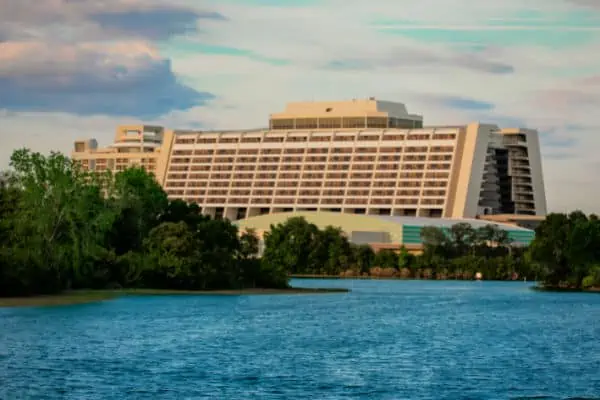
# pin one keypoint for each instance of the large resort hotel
(366, 157)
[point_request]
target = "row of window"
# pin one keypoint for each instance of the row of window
(306, 201)
(320, 138)
(334, 150)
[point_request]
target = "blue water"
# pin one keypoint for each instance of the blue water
(384, 340)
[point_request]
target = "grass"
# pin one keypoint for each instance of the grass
(93, 296)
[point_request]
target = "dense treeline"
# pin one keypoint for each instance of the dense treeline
(62, 228)
(303, 249)
(564, 253)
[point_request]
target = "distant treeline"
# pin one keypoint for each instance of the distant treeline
(565, 253)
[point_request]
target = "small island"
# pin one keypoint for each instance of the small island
(68, 236)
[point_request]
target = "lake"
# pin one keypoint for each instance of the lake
(384, 340)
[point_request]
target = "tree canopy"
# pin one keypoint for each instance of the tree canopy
(63, 228)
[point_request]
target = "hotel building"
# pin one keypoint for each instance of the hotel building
(358, 157)
(134, 145)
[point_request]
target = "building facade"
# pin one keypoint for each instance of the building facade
(134, 145)
(358, 157)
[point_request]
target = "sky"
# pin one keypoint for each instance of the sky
(73, 69)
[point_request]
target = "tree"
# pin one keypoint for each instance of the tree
(386, 259)
(405, 259)
(435, 241)
(172, 256)
(289, 245)
(63, 228)
(363, 256)
(462, 237)
(140, 202)
(566, 247)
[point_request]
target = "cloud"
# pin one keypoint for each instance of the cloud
(403, 58)
(467, 104)
(90, 57)
(124, 79)
(154, 24)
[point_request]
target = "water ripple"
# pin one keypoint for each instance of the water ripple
(384, 340)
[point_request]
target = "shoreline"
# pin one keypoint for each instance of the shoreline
(557, 289)
(95, 296)
(398, 278)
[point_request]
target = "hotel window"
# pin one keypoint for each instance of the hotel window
(250, 140)
(184, 141)
(337, 176)
(272, 139)
(296, 139)
(419, 137)
(444, 136)
(306, 123)
(247, 151)
(434, 193)
(360, 184)
(382, 193)
(219, 184)
(354, 122)
(442, 149)
(242, 184)
(445, 157)
(391, 150)
(197, 184)
(289, 184)
(320, 139)
(330, 123)
(293, 151)
(282, 124)
(229, 140)
(393, 137)
(312, 176)
(421, 149)
(289, 176)
(207, 140)
(338, 150)
(437, 175)
(284, 201)
(177, 176)
(407, 201)
(362, 167)
(365, 138)
(377, 122)
(367, 150)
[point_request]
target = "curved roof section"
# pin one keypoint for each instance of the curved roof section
(362, 222)
(448, 222)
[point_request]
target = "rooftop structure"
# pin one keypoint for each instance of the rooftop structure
(134, 145)
(352, 114)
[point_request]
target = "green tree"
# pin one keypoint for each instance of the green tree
(386, 259)
(140, 202)
(363, 256)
